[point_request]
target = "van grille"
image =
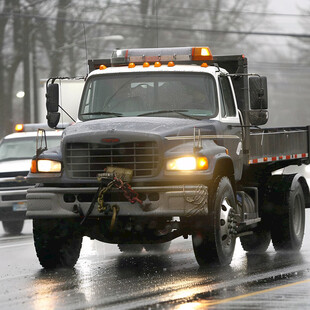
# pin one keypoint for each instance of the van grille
(19, 182)
(86, 160)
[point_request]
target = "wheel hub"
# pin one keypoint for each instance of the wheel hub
(297, 218)
(228, 227)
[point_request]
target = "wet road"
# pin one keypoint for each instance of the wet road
(106, 279)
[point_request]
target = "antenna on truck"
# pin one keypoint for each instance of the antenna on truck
(86, 54)
(156, 8)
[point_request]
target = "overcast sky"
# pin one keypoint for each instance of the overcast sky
(288, 22)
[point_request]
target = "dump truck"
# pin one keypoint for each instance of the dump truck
(169, 143)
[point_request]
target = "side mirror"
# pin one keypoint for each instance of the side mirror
(258, 117)
(258, 114)
(52, 98)
(52, 119)
(258, 93)
(52, 101)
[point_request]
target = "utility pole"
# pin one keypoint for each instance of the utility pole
(34, 78)
(26, 76)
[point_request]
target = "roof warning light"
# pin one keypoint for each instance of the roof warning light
(19, 127)
(202, 53)
(163, 55)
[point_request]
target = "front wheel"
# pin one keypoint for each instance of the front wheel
(13, 227)
(216, 242)
(57, 242)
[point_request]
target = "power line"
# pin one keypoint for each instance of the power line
(198, 9)
(89, 22)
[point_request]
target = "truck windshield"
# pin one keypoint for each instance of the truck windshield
(151, 94)
(23, 148)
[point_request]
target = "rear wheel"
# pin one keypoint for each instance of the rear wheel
(157, 247)
(258, 242)
(57, 242)
(216, 242)
(13, 227)
(288, 226)
(130, 248)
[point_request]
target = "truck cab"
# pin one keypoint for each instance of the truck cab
(194, 94)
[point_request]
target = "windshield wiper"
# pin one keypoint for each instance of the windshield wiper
(102, 113)
(169, 111)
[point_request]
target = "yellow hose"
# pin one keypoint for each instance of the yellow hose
(115, 211)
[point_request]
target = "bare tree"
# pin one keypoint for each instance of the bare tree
(303, 43)
(218, 23)
(50, 35)
(10, 58)
(53, 36)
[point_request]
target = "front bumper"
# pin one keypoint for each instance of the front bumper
(13, 205)
(55, 202)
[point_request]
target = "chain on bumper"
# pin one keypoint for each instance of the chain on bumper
(103, 207)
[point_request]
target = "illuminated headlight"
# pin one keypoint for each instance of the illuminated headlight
(187, 163)
(46, 165)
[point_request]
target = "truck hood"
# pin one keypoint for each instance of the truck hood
(162, 126)
(20, 165)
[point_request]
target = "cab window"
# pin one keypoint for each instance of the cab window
(227, 99)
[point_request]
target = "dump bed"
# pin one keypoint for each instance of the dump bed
(279, 144)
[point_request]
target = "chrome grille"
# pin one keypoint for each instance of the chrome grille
(86, 160)
(19, 182)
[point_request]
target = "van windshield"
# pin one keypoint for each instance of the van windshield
(23, 148)
(178, 94)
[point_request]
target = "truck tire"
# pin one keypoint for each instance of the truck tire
(215, 243)
(130, 248)
(57, 242)
(287, 230)
(13, 227)
(158, 247)
(258, 242)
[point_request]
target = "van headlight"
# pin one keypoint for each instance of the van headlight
(187, 163)
(45, 165)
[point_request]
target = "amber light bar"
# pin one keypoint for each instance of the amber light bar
(162, 55)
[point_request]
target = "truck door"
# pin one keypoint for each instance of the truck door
(231, 124)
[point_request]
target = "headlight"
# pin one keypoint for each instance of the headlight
(187, 163)
(45, 165)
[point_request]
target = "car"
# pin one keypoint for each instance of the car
(16, 152)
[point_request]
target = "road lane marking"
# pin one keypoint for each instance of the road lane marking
(217, 302)
(15, 245)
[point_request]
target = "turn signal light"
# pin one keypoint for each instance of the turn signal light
(33, 168)
(202, 163)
